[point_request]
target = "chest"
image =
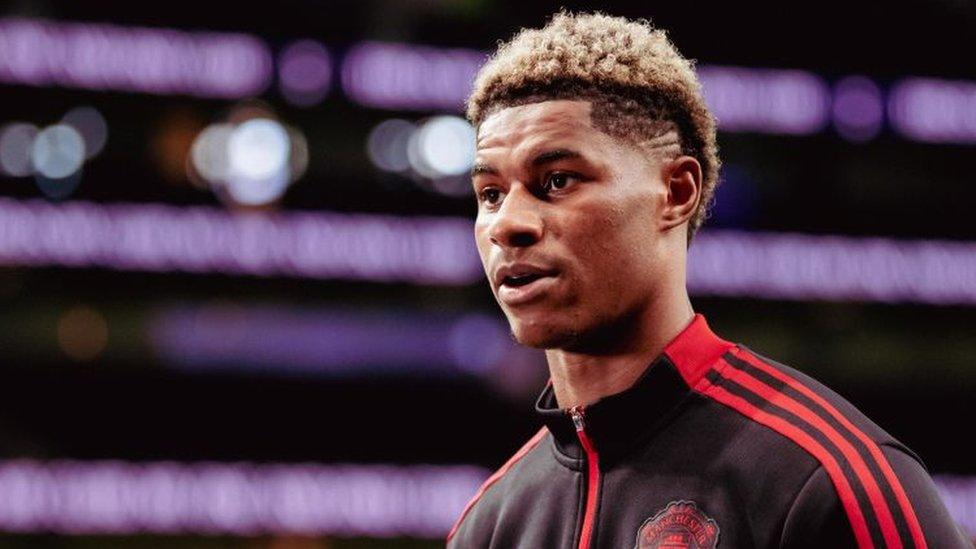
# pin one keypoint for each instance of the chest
(649, 507)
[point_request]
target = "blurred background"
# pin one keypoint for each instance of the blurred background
(240, 300)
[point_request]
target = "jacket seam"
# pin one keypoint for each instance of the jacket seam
(899, 447)
(796, 498)
(487, 487)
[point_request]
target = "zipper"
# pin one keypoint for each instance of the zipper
(592, 476)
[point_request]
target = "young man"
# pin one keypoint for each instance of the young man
(596, 163)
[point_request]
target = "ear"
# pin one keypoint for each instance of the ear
(683, 178)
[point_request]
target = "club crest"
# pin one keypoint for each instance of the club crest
(680, 525)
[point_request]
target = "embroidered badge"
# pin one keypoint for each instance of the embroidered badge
(680, 525)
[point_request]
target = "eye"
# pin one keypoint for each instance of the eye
(558, 181)
(490, 195)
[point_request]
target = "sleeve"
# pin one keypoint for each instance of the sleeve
(818, 519)
(940, 529)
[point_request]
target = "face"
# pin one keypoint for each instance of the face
(571, 224)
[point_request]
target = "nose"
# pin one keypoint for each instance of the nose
(517, 222)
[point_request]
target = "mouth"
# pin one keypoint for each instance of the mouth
(516, 281)
(524, 288)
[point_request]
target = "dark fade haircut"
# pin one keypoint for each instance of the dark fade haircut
(642, 90)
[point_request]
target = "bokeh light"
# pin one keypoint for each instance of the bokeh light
(437, 154)
(858, 108)
(209, 153)
(387, 145)
(258, 149)
(16, 143)
(304, 73)
(82, 333)
(171, 144)
(408, 76)
(933, 110)
(248, 191)
(40, 52)
(250, 159)
(764, 100)
(442, 146)
(92, 127)
(257, 152)
(53, 155)
(298, 161)
(58, 151)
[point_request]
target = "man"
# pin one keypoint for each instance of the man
(596, 162)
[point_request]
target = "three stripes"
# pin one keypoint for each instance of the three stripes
(873, 498)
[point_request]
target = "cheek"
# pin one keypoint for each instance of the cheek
(615, 250)
(600, 233)
(483, 244)
(481, 240)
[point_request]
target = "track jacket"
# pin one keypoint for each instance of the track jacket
(714, 446)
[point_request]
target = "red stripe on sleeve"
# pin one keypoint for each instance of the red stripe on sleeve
(844, 491)
(896, 487)
(877, 499)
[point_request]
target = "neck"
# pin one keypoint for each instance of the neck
(581, 377)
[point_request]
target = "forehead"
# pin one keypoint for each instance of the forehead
(546, 120)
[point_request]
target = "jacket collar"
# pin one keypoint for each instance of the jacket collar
(619, 422)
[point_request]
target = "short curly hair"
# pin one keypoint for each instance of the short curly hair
(641, 88)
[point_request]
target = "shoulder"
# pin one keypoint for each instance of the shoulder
(820, 518)
(867, 489)
(803, 401)
(488, 489)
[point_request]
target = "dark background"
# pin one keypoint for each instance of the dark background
(907, 364)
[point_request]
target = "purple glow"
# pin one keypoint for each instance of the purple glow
(114, 497)
(328, 342)
(802, 267)
(767, 101)
(441, 251)
(934, 111)
(201, 240)
(305, 72)
(959, 495)
(400, 76)
(135, 59)
(792, 102)
(403, 76)
(858, 108)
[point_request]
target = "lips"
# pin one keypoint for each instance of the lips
(520, 280)
(520, 274)
(521, 283)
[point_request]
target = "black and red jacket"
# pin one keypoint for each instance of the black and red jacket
(714, 446)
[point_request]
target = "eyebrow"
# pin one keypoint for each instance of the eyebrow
(554, 155)
(539, 160)
(480, 169)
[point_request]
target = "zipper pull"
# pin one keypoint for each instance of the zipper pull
(577, 414)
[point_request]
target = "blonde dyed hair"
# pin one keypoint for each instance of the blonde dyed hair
(642, 90)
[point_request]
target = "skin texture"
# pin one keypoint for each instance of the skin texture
(610, 220)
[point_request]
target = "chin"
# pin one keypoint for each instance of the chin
(541, 332)
(541, 335)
